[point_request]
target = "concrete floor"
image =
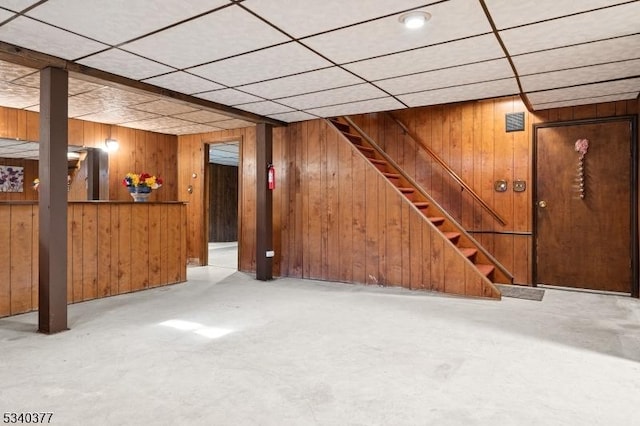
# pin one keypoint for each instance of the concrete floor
(224, 349)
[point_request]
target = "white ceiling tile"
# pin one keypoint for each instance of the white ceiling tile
(509, 13)
(582, 75)
(598, 52)
(76, 86)
(582, 28)
(596, 100)
(291, 117)
(233, 124)
(342, 95)
(474, 49)
(11, 72)
(303, 83)
(277, 61)
(117, 116)
(15, 96)
(293, 16)
(125, 64)
(106, 98)
(5, 14)
(154, 124)
(189, 130)
(183, 82)
(44, 38)
(228, 97)
(164, 107)
(490, 89)
(388, 35)
(117, 21)
(208, 38)
(455, 76)
(202, 116)
(372, 105)
(17, 5)
(586, 91)
(264, 108)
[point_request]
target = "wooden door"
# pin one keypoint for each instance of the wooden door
(584, 242)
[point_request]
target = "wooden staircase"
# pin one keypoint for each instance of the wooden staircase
(439, 219)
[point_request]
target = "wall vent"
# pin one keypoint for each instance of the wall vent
(514, 122)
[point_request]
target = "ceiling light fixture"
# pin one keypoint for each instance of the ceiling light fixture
(414, 20)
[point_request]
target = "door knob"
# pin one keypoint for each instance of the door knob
(542, 204)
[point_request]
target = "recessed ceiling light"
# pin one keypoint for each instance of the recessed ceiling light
(414, 20)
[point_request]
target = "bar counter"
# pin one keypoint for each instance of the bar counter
(113, 247)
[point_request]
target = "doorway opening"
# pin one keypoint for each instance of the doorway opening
(221, 203)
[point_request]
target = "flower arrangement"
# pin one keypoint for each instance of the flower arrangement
(36, 184)
(143, 182)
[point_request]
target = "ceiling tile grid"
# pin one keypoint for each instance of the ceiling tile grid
(44, 38)
(575, 29)
(459, 52)
(273, 62)
(448, 77)
(598, 52)
(293, 61)
(183, 82)
(587, 101)
(576, 76)
(125, 19)
(218, 35)
(386, 35)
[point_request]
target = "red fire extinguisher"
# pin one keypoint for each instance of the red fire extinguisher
(271, 177)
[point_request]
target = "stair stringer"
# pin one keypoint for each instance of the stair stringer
(428, 260)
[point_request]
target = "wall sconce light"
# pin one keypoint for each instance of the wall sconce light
(414, 20)
(111, 145)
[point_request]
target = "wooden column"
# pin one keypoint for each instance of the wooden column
(52, 315)
(97, 174)
(264, 211)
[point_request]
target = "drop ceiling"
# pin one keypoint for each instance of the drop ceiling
(297, 60)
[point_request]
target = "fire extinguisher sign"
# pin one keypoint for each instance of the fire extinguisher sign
(271, 177)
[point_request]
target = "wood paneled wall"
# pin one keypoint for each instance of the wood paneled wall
(140, 151)
(340, 219)
(471, 138)
(113, 248)
(223, 203)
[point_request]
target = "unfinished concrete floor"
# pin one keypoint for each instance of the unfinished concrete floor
(224, 349)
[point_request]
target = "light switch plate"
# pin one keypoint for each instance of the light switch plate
(519, 186)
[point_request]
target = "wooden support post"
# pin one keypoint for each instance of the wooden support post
(264, 210)
(52, 171)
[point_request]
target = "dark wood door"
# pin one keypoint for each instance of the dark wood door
(584, 242)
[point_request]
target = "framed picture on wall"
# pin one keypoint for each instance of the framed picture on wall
(11, 179)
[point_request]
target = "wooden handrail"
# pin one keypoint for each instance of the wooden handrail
(421, 190)
(449, 170)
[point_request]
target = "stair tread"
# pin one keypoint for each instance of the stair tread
(436, 219)
(407, 190)
(391, 175)
(484, 268)
(376, 161)
(364, 148)
(468, 251)
(421, 204)
(351, 136)
(452, 235)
